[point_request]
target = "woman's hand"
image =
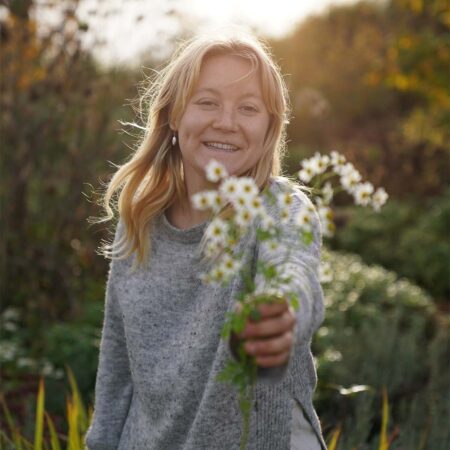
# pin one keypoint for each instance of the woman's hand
(270, 339)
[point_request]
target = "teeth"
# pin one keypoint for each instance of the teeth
(221, 146)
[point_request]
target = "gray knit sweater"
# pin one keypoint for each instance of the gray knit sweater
(161, 349)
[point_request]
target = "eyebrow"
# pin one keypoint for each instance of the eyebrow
(215, 91)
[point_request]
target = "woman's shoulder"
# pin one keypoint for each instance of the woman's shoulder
(280, 184)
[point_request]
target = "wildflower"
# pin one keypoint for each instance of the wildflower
(256, 207)
(216, 200)
(325, 273)
(247, 186)
(202, 200)
(379, 198)
(337, 159)
(212, 248)
(307, 172)
(350, 177)
(284, 199)
(319, 163)
(229, 187)
(217, 230)
(217, 274)
(327, 228)
(267, 222)
(215, 171)
(327, 193)
(229, 265)
(303, 219)
(325, 213)
(284, 215)
(243, 218)
(272, 246)
(240, 201)
(362, 193)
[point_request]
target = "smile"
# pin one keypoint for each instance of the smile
(219, 146)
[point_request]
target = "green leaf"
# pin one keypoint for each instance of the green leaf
(307, 237)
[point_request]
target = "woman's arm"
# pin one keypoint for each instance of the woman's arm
(113, 387)
(301, 262)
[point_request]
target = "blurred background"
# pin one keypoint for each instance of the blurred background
(369, 79)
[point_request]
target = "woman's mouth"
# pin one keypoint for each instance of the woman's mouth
(221, 147)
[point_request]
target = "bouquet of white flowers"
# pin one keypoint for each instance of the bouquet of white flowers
(246, 203)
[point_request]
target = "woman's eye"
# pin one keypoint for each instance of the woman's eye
(206, 103)
(249, 108)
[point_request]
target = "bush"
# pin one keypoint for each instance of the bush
(380, 330)
(408, 238)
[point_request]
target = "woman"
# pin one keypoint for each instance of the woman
(219, 98)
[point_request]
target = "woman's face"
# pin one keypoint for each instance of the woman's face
(225, 119)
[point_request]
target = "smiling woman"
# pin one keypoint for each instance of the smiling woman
(225, 118)
(219, 98)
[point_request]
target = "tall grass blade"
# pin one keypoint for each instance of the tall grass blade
(39, 426)
(384, 442)
(83, 419)
(54, 441)
(334, 439)
(74, 432)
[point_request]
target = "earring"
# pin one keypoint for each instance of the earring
(174, 140)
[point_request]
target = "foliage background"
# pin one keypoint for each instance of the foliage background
(368, 79)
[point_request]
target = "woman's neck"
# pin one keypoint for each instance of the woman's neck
(183, 215)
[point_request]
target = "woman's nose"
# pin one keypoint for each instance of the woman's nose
(225, 120)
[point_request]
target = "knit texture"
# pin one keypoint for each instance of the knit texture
(161, 349)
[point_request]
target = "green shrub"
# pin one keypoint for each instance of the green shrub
(380, 330)
(406, 237)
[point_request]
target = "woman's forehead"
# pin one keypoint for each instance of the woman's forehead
(228, 71)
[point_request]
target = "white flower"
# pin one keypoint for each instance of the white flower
(247, 186)
(216, 200)
(215, 171)
(267, 222)
(217, 230)
(284, 215)
(379, 198)
(229, 188)
(319, 163)
(243, 217)
(273, 245)
(303, 219)
(305, 175)
(350, 178)
(240, 201)
(307, 171)
(345, 169)
(255, 205)
(202, 200)
(362, 193)
(325, 273)
(325, 214)
(217, 274)
(337, 159)
(327, 193)
(327, 227)
(229, 265)
(213, 247)
(285, 199)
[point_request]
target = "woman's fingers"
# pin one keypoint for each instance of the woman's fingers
(270, 347)
(272, 360)
(270, 325)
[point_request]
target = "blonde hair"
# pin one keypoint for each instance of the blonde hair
(152, 179)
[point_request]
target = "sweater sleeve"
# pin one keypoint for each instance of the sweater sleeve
(300, 261)
(113, 386)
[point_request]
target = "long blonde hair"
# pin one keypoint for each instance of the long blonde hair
(152, 179)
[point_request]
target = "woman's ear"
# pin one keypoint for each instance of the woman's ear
(173, 125)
